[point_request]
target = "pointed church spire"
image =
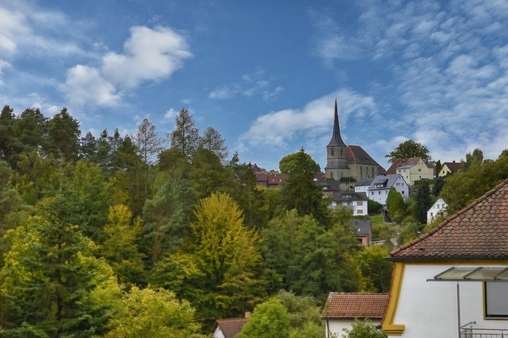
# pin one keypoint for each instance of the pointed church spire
(336, 137)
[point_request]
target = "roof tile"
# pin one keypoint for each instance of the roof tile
(355, 305)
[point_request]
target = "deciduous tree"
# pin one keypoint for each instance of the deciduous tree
(408, 149)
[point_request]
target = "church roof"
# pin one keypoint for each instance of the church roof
(336, 137)
(356, 154)
(479, 231)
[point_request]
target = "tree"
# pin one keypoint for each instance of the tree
(147, 141)
(50, 280)
(104, 155)
(10, 145)
(409, 149)
(375, 268)
(155, 314)
(395, 205)
(474, 158)
(269, 320)
(207, 173)
(365, 329)
(304, 315)
(226, 280)
(119, 247)
(63, 136)
(212, 140)
(31, 130)
(185, 137)
(168, 215)
(299, 190)
(307, 259)
(422, 201)
(88, 147)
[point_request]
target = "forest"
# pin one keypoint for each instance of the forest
(148, 236)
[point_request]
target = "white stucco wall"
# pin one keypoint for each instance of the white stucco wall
(429, 309)
(437, 208)
(218, 333)
(362, 188)
(360, 208)
(338, 327)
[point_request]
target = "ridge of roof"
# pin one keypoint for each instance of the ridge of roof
(447, 220)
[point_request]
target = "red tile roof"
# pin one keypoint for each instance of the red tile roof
(231, 327)
(479, 231)
(356, 154)
(399, 163)
(355, 305)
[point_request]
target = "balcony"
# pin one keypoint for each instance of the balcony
(468, 331)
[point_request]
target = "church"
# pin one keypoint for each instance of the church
(348, 164)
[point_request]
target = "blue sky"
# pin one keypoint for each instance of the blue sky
(265, 73)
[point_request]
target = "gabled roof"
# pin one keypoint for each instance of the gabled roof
(408, 163)
(479, 231)
(356, 154)
(361, 227)
(454, 166)
(231, 327)
(355, 306)
(348, 196)
(384, 181)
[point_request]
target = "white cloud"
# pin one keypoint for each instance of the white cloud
(313, 120)
(251, 84)
(86, 86)
(170, 114)
(149, 54)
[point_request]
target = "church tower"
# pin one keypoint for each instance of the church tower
(336, 163)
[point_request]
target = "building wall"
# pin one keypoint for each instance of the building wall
(417, 172)
(438, 208)
(360, 208)
(362, 188)
(444, 171)
(339, 327)
(379, 195)
(429, 309)
(218, 333)
(361, 172)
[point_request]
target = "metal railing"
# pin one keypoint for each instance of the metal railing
(468, 331)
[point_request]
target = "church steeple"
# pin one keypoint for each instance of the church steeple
(336, 137)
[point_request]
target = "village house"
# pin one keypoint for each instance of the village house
(412, 169)
(357, 202)
(229, 328)
(265, 178)
(453, 281)
(348, 164)
(343, 309)
(437, 209)
(381, 185)
(450, 168)
(362, 228)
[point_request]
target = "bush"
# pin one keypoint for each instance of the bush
(365, 329)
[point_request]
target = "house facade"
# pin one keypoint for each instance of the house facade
(449, 168)
(412, 170)
(357, 202)
(343, 309)
(437, 209)
(348, 164)
(453, 281)
(381, 185)
(362, 228)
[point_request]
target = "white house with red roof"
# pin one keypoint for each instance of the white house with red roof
(453, 281)
(343, 309)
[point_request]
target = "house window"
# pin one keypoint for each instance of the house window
(359, 203)
(360, 211)
(496, 299)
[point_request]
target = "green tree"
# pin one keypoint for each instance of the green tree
(207, 173)
(88, 148)
(422, 201)
(31, 129)
(269, 320)
(119, 246)
(50, 280)
(304, 315)
(408, 149)
(395, 205)
(155, 314)
(63, 136)
(10, 146)
(375, 268)
(213, 141)
(299, 190)
(365, 329)
(185, 137)
(226, 279)
(474, 158)
(308, 259)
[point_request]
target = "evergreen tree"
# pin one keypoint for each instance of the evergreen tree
(104, 154)
(299, 190)
(31, 130)
(422, 201)
(63, 136)
(395, 205)
(88, 148)
(147, 141)
(10, 145)
(474, 158)
(185, 137)
(212, 140)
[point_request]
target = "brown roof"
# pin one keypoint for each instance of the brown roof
(357, 154)
(231, 327)
(479, 231)
(355, 305)
(399, 163)
(454, 166)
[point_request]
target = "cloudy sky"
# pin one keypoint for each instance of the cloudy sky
(265, 73)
